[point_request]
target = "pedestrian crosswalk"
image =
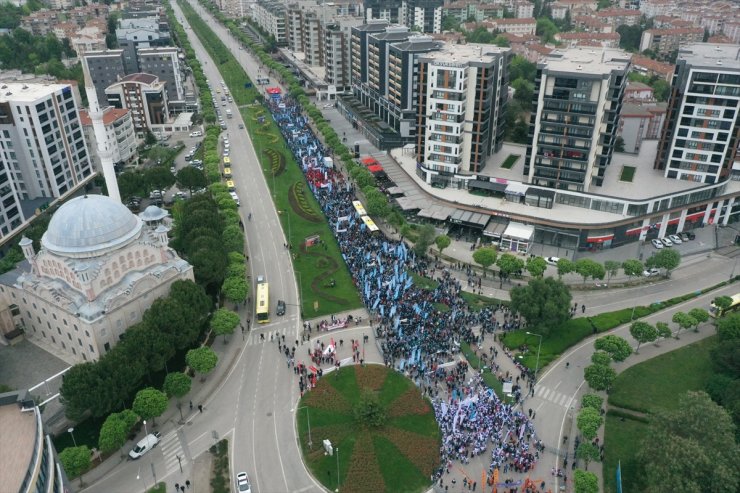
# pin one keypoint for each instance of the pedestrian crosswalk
(174, 456)
(553, 396)
(254, 337)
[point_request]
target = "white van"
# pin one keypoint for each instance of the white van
(145, 445)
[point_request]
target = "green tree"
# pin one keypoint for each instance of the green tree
(235, 288)
(149, 403)
(617, 346)
(203, 360)
(485, 257)
(224, 321)
(565, 266)
(536, 266)
(177, 385)
(369, 412)
(190, 178)
(158, 178)
(722, 302)
(544, 304)
(377, 204)
(643, 333)
(663, 330)
(599, 377)
(667, 259)
(593, 401)
(619, 144)
(75, 461)
(442, 242)
(424, 241)
(632, 268)
(131, 184)
(700, 315)
(690, 448)
(611, 267)
(233, 237)
(585, 267)
(362, 177)
(546, 30)
(114, 432)
(683, 320)
(587, 452)
(601, 358)
(630, 36)
(661, 90)
(450, 23)
(521, 68)
(585, 482)
(501, 40)
(588, 421)
(508, 264)
(728, 327)
(524, 90)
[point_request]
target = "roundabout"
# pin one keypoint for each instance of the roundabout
(383, 433)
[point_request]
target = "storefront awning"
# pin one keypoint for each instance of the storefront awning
(469, 219)
(538, 192)
(491, 186)
(395, 191)
(369, 161)
(437, 212)
(375, 168)
(516, 188)
(519, 231)
(406, 203)
(495, 229)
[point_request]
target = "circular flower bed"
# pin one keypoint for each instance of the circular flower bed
(382, 431)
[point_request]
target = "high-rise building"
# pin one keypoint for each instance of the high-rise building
(359, 50)
(424, 15)
(337, 58)
(462, 96)
(136, 33)
(164, 62)
(271, 16)
(43, 154)
(145, 96)
(700, 137)
(578, 98)
(27, 453)
(106, 67)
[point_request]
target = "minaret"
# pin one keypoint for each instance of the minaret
(101, 136)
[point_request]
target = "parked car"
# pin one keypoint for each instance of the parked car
(675, 239)
(686, 236)
(666, 242)
(155, 194)
(280, 311)
(657, 243)
(145, 445)
(242, 483)
(651, 272)
(236, 198)
(197, 133)
(552, 260)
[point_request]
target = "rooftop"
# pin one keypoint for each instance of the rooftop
(480, 53)
(19, 92)
(710, 55)
(110, 114)
(598, 61)
(18, 432)
(140, 77)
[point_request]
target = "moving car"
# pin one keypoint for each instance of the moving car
(242, 483)
(280, 308)
(651, 272)
(675, 239)
(145, 445)
(552, 260)
(657, 243)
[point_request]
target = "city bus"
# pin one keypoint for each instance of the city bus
(716, 312)
(263, 303)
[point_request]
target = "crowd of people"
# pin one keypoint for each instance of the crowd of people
(420, 329)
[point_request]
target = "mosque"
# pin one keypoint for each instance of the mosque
(99, 268)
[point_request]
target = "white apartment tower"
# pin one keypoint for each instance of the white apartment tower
(700, 137)
(42, 149)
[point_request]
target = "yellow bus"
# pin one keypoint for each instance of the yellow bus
(230, 185)
(716, 312)
(263, 303)
(227, 172)
(227, 161)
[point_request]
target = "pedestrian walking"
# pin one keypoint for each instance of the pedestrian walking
(200, 407)
(177, 486)
(191, 405)
(187, 483)
(182, 488)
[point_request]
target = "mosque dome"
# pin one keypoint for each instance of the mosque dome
(90, 226)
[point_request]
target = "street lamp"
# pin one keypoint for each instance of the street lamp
(308, 420)
(146, 433)
(337, 490)
(537, 366)
(71, 430)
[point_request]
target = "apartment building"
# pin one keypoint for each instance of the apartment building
(579, 95)
(106, 67)
(605, 40)
(700, 137)
(591, 24)
(145, 95)
(663, 42)
(119, 126)
(640, 121)
(271, 17)
(619, 17)
(164, 62)
(424, 15)
(337, 60)
(140, 32)
(42, 150)
(523, 10)
(520, 27)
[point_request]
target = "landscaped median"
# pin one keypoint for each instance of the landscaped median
(301, 217)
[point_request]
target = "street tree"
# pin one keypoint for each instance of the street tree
(611, 267)
(544, 304)
(616, 346)
(664, 330)
(722, 303)
(177, 385)
(588, 421)
(190, 179)
(485, 257)
(643, 333)
(80, 391)
(700, 315)
(158, 178)
(632, 268)
(424, 241)
(601, 358)
(599, 377)
(587, 452)
(683, 320)
(593, 401)
(377, 204)
(203, 360)
(114, 432)
(667, 259)
(235, 287)
(508, 264)
(442, 242)
(565, 266)
(691, 447)
(585, 267)
(728, 327)
(233, 238)
(536, 266)
(224, 321)
(585, 482)
(149, 403)
(75, 460)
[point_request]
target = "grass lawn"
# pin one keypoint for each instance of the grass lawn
(397, 456)
(510, 160)
(628, 173)
(477, 302)
(86, 433)
(160, 488)
(300, 214)
(423, 282)
(664, 378)
(488, 377)
(655, 384)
